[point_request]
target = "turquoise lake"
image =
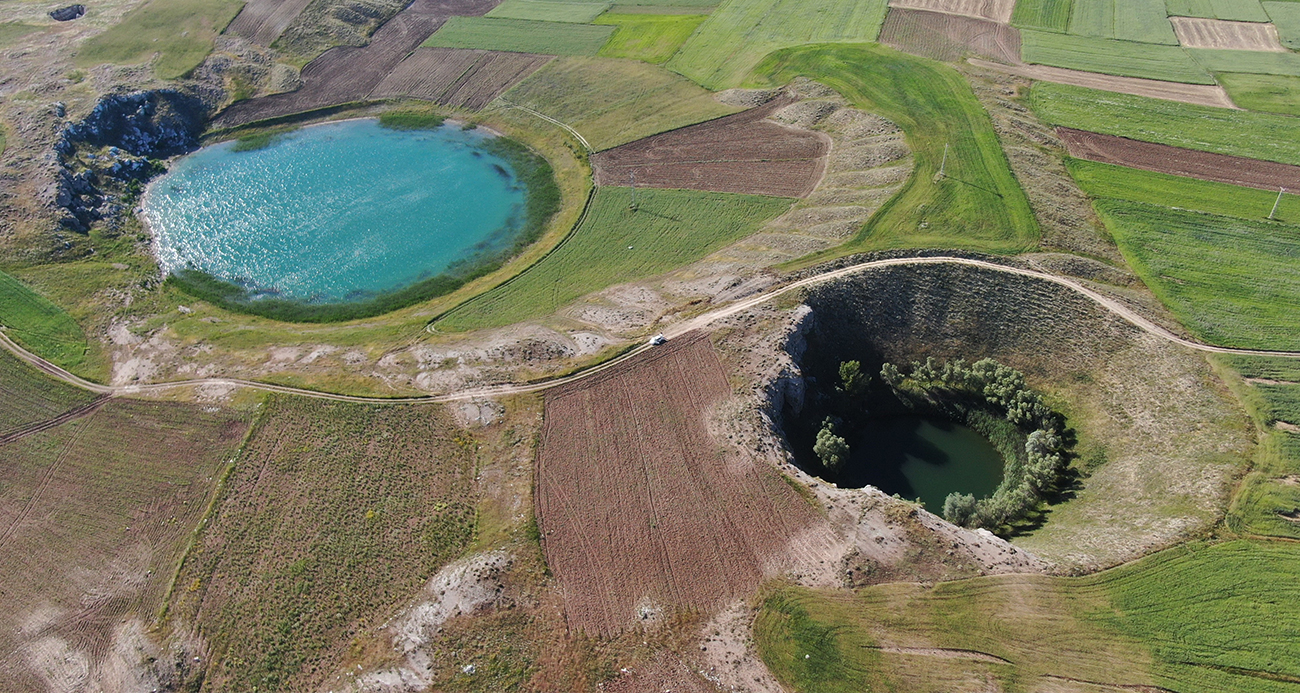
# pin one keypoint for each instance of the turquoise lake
(336, 212)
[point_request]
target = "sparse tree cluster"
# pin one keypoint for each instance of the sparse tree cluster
(831, 449)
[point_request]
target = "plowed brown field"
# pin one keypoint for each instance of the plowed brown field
(1180, 162)
(993, 10)
(262, 21)
(948, 36)
(638, 508)
(458, 78)
(1202, 94)
(348, 73)
(740, 153)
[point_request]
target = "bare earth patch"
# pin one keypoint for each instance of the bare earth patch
(993, 10)
(1199, 94)
(1149, 156)
(262, 21)
(1198, 32)
(942, 36)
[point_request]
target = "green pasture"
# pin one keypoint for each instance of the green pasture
(1256, 62)
(1222, 130)
(677, 4)
(1135, 185)
(612, 102)
(977, 203)
(740, 33)
(1267, 93)
(1111, 57)
(1143, 21)
(549, 10)
(652, 38)
(1235, 10)
(1286, 17)
(520, 36)
(1044, 15)
(1268, 495)
(1232, 282)
(179, 31)
(10, 32)
(39, 325)
(1195, 618)
(616, 244)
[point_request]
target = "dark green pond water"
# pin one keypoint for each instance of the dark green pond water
(922, 458)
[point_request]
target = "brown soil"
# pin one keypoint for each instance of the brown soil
(993, 10)
(1197, 32)
(741, 153)
(347, 73)
(1148, 156)
(664, 673)
(457, 78)
(262, 21)
(1200, 94)
(639, 511)
(948, 37)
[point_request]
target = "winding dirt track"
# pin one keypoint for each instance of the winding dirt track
(679, 329)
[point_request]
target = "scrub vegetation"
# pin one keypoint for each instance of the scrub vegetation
(975, 203)
(180, 32)
(520, 36)
(1198, 617)
(652, 38)
(1220, 130)
(616, 244)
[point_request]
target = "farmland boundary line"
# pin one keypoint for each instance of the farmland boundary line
(552, 121)
(1111, 305)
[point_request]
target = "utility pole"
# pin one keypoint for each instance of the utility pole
(1276, 202)
(944, 164)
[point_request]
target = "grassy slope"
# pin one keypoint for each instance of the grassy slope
(978, 205)
(28, 396)
(1222, 130)
(333, 516)
(670, 228)
(1112, 57)
(740, 33)
(1267, 93)
(612, 102)
(40, 326)
(653, 38)
(1044, 15)
(1166, 620)
(549, 10)
(11, 32)
(1255, 62)
(1270, 389)
(181, 31)
(1232, 282)
(1134, 185)
(1286, 17)
(520, 36)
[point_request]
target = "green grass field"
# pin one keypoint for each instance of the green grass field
(1196, 618)
(1240, 133)
(1234, 10)
(1255, 62)
(549, 10)
(1232, 282)
(669, 229)
(520, 36)
(1127, 20)
(612, 102)
(1135, 185)
(1044, 15)
(652, 38)
(740, 33)
(1286, 17)
(1111, 57)
(1267, 93)
(978, 204)
(39, 325)
(180, 31)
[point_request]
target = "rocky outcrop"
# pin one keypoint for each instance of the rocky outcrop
(115, 150)
(69, 13)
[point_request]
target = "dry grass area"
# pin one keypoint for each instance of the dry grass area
(93, 517)
(1149, 156)
(457, 78)
(1197, 32)
(993, 10)
(641, 514)
(949, 37)
(743, 153)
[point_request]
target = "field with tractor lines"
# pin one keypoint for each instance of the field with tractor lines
(1112, 57)
(520, 36)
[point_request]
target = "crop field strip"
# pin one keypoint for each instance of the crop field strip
(740, 33)
(262, 21)
(1286, 17)
(39, 324)
(1268, 500)
(1108, 181)
(1255, 62)
(1232, 10)
(520, 36)
(1218, 34)
(1109, 56)
(998, 11)
(457, 78)
(653, 38)
(634, 502)
(1221, 168)
(1190, 618)
(1267, 93)
(29, 397)
(1142, 21)
(1196, 94)
(948, 37)
(549, 10)
(93, 517)
(744, 153)
(1238, 133)
(1043, 15)
(333, 516)
(347, 73)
